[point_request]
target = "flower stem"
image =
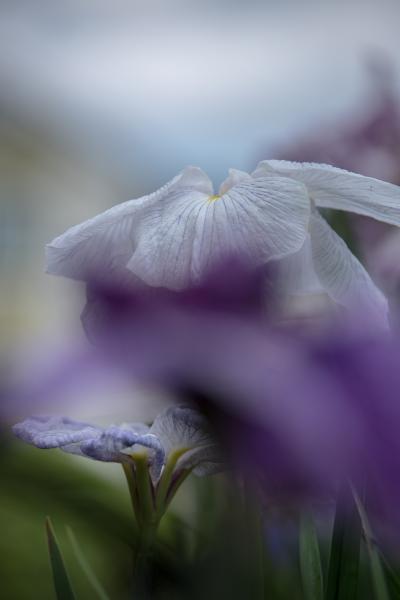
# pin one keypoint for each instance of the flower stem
(130, 478)
(142, 497)
(142, 569)
(149, 505)
(165, 481)
(144, 489)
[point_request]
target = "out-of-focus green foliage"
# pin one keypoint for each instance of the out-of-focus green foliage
(310, 560)
(211, 543)
(36, 484)
(61, 579)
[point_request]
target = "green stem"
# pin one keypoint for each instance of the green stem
(144, 489)
(141, 492)
(149, 506)
(141, 569)
(130, 478)
(165, 480)
(175, 485)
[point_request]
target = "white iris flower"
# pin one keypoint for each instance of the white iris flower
(170, 237)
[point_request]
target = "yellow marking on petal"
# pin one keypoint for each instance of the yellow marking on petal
(213, 198)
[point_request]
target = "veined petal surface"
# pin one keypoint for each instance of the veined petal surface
(340, 273)
(331, 187)
(172, 236)
(235, 176)
(296, 274)
(104, 244)
(204, 460)
(259, 220)
(180, 427)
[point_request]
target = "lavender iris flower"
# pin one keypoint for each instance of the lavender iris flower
(178, 430)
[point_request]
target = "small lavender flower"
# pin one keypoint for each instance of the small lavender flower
(178, 429)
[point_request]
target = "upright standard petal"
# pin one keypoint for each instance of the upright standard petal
(341, 274)
(181, 428)
(331, 187)
(103, 245)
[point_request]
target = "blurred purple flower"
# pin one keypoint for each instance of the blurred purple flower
(367, 140)
(300, 412)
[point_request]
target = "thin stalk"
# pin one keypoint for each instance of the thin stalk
(141, 569)
(141, 492)
(175, 485)
(144, 488)
(165, 481)
(130, 478)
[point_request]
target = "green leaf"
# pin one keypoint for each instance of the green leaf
(310, 560)
(86, 568)
(345, 551)
(62, 584)
(392, 578)
(377, 571)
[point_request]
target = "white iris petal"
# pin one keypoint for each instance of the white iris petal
(297, 274)
(103, 245)
(170, 237)
(331, 187)
(337, 270)
(341, 274)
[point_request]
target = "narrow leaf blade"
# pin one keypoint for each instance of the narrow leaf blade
(86, 568)
(392, 578)
(62, 584)
(310, 559)
(345, 551)
(377, 570)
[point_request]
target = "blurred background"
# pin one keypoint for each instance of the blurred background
(101, 102)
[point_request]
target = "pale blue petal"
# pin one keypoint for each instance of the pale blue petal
(54, 432)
